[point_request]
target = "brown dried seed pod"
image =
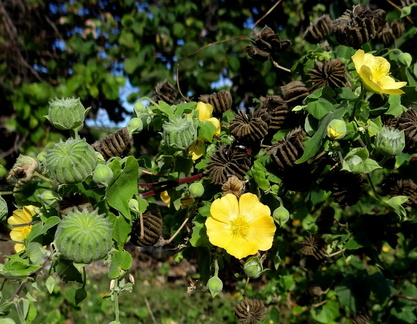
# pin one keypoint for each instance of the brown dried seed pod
(116, 144)
(318, 30)
(398, 28)
(345, 186)
(226, 162)
(152, 231)
(362, 318)
(407, 122)
(74, 201)
(314, 246)
(387, 36)
(250, 311)
(329, 73)
(165, 91)
(234, 186)
(358, 26)
(294, 93)
(266, 44)
(221, 101)
(289, 149)
(277, 110)
(395, 186)
(248, 131)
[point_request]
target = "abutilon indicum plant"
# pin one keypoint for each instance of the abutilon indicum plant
(309, 194)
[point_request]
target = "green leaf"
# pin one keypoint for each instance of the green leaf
(50, 284)
(320, 108)
(121, 260)
(313, 144)
(395, 107)
(121, 230)
(36, 252)
(122, 189)
(199, 235)
(258, 172)
(403, 315)
(206, 130)
(80, 295)
(328, 313)
(395, 204)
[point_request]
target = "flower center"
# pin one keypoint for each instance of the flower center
(240, 227)
(378, 71)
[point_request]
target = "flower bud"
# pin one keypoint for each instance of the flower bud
(66, 113)
(336, 129)
(49, 198)
(139, 109)
(215, 286)
(84, 236)
(179, 133)
(405, 59)
(134, 205)
(253, 267)
(134, 126)
(70, 161)
(281, 215)
(390, 141)
(196, 189)
(103, 174)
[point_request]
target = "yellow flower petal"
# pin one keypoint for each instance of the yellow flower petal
(165, 197)
(204, 111)
(251, 208)
(216, 123)
(262, 233)
(196, 150)
(22, 216)
(19, 247)
(241, 248)
(225, 209)
(216, 231)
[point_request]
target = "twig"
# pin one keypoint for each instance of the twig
(398, 8)
(179, 229)
(335, 253)
(268, 12)
(405, 297)
(18, 143)
(148, 307)
(280, 67)
(178, 83)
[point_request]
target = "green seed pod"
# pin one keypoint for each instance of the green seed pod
(215, 286)
(405, 59)
(390, 141)
(196, 189)
(84, 236)
(253, 267)
(103, 174)
(134, 126)
(336, 129)
(23, 170)
(66, 113)
(71, 161)
(179, 133)
(281, 215)
(49, 198)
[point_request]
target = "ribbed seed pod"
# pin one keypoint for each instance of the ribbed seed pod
(362, 318)
(346, 187)
(234, 186)
(314, 246)
(116, 144)
(228, 161)
(277, 109)
(84, 236)
(66, 113)
(166, 92)
(387, 35)
(179, 133)
(326, 219)
(398, 28)
(266, 45)
(395, 186)
(289, 149)
(358, 26)
(248, 130)
(408, 123)
(152, 230)
(250, 311)
(319, 30)
(221, 101)
(71, 161)
(329, 73)
(294, 93)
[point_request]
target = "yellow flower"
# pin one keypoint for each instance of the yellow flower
(240, 227)
(204, 114)
(165, 197)
(20, 230)
(374, 70)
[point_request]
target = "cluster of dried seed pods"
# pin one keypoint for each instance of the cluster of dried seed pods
(277, 110)
(152, 230)
(314, 246)
(319, 30)
(397, 186)
(345, 187)
(391, 32)
(294, 93)
(407, 122)
(248, 131)
(250, 311)
(165, 91)
(330, 73)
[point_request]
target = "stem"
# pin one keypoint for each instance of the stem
(42, 177)
(405, 297)
(116, 301)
